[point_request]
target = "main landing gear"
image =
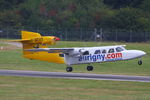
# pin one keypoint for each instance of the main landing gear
(70, 69)
(90, 68)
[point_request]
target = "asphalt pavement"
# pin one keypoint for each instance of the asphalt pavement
(23, 73)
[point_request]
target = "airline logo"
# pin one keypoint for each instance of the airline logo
(101, 57)
(94, 57)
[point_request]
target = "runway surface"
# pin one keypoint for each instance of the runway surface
(74, 75)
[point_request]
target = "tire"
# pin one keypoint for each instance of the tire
(140, 62)
(89, 68)
(69, 69)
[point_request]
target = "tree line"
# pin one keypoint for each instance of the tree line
(50, 14)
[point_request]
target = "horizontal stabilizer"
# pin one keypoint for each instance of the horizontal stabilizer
(23, 40)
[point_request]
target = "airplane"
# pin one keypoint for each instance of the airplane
(35, 46)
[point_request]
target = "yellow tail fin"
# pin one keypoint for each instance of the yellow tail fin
(27, 41)
(29, 35)
(32, 40)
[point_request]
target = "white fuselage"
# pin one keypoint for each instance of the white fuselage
(86, 55)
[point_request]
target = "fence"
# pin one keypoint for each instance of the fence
(84, 34)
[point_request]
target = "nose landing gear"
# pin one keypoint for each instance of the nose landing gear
(140, 62)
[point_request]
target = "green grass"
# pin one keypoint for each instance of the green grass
(3, 43)
(12, 59)
(26, 88)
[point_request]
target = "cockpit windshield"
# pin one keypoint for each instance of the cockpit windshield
(119, 49)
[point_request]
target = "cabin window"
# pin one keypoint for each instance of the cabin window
(119, 49)
(104, 51)
(111, 50)
(86, 53)
(97, 52)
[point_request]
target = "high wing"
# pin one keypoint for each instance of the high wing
(52, 50)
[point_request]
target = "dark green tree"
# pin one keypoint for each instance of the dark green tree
(116, 4)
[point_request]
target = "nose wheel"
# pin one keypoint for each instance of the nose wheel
(89, 68)
(140, 62)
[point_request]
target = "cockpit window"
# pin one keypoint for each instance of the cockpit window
(97, 52)
(111, 50)
(119, 49)
(104, 51)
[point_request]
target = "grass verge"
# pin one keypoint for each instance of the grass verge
(27, 88)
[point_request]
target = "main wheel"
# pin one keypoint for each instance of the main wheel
(69, 69)
(140, 62)
(89, 68)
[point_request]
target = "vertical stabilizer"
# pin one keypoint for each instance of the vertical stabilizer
(29, 35)
(26, 35)
(33, 40)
